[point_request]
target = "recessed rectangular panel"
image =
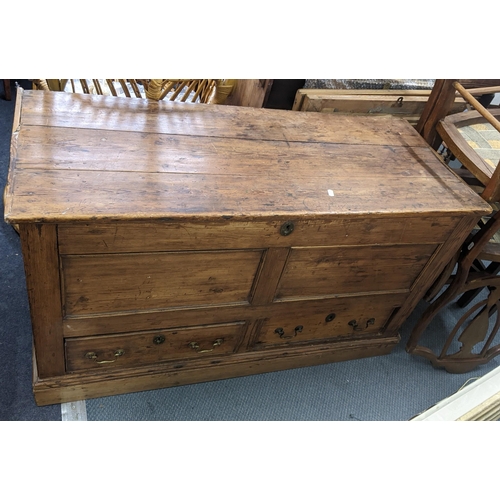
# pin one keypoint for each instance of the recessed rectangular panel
(316, 272)
(127, 282)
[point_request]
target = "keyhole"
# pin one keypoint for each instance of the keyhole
(159, 339)
(287, 228)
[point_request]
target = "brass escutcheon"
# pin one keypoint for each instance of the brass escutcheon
(159, 339)
(287, 228)
(330, 317)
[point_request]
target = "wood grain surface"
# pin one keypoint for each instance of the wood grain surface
(84, 157)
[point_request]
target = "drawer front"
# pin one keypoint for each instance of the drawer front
(142, 348)
(329, 320)
(95, 284)
(229, 234)
(316, 272)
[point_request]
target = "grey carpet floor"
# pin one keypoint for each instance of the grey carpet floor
(16, 398)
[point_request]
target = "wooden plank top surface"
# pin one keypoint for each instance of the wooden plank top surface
(81, 157)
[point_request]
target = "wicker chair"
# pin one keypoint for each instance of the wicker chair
(202, 91)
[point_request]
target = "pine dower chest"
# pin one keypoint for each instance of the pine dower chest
(170, 243)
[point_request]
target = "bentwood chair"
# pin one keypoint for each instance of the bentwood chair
(472, 138)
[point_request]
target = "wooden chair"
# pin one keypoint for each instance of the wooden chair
(475, 267)
(202, 91)
(249, 93)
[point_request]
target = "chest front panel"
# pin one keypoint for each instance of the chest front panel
(282, 293)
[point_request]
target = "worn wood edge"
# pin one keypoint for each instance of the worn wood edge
(480, 208)
(72, 387)
(17, 109)
(9, 185)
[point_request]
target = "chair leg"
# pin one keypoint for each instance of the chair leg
(6, 85)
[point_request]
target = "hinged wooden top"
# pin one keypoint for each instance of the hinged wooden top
(84, 157)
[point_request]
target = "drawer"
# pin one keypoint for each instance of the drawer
(214, 234)
(328, 320)
(108, 283)
(142, 348)
(323, 271)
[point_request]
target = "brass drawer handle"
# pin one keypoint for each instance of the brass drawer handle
(93, 355)
(196, 346)
(281, 332)
(358, 328)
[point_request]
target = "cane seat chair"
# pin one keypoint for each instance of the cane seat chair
(472, 138)
(204, 91)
